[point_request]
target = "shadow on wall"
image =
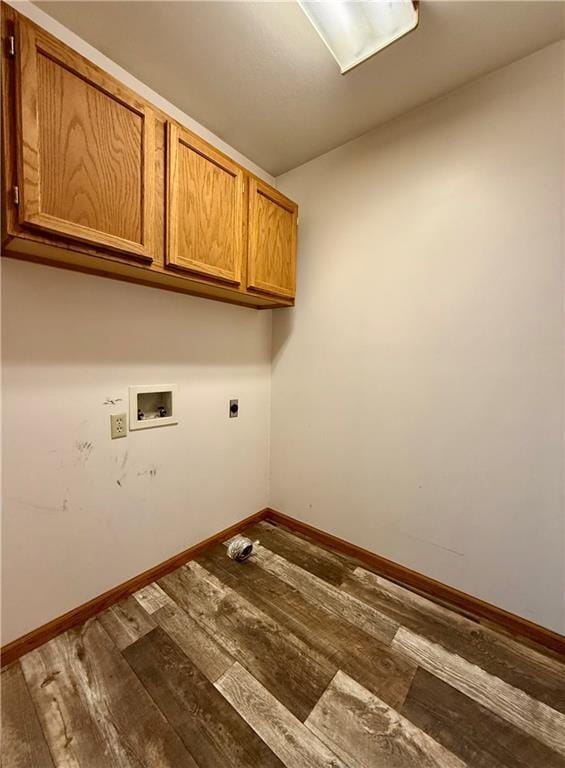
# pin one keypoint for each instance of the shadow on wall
(283, 324)
(63, 316)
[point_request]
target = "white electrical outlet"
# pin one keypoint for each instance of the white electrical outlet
(118, 425)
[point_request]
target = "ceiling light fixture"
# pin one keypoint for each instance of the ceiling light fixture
(354, 30)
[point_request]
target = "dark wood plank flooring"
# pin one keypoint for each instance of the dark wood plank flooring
(299, 657)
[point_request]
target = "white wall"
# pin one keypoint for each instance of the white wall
(417, 394)
(70, 341)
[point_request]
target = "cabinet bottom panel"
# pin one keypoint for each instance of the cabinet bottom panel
(43, 253)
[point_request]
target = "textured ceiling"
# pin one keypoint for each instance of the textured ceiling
(258, 76)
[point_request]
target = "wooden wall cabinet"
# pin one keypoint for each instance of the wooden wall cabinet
(86, 149)
(98, 180)
(272, 241)
(205, 208)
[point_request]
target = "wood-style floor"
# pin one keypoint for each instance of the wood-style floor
(297, 658)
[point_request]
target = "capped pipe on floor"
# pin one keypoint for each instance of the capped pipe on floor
(240, 548)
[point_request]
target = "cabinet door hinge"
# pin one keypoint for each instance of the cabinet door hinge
(16, 195)
(11, 45)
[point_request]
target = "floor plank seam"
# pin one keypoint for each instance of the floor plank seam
(301, 658)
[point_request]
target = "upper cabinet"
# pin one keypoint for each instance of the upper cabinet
(272, 241)
(95, 178)
(86, 149)
(205, 208)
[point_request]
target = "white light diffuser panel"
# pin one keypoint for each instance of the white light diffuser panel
(355, 30)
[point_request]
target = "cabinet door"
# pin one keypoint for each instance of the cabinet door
(85, 149)
(205, 205)
(272, 241)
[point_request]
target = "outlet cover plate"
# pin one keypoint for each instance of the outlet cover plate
(118, 425)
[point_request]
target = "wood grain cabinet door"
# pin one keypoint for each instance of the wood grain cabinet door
(205, 207)
(85, 149)
(272, 241)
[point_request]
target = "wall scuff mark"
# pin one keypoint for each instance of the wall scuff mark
(84, 449)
